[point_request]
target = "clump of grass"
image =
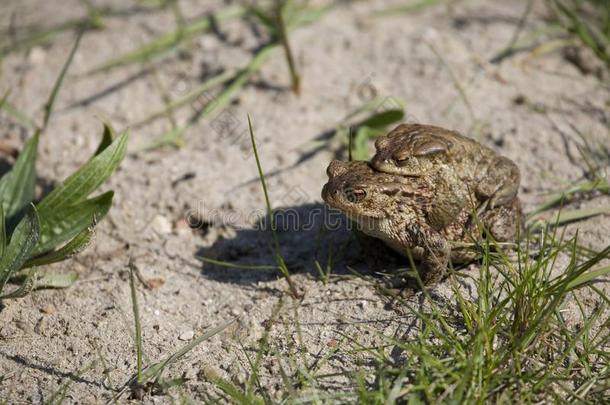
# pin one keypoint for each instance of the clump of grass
(513, 343)
(63, 222)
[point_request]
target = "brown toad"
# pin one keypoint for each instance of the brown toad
(399, 211)
(455, 163)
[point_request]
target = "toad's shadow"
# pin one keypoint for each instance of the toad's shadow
(306, 234)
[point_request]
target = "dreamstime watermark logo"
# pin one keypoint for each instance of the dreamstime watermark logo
(289, 219)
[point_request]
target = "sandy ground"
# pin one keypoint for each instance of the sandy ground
(46, 338)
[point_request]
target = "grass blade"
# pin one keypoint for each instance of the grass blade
(235, 265)
(154, 371)
(221, 101)
(17, 115)
(48, 108)
(278, 254)
(188, 98)
(587, 277)
(283, 37)
(564, 217)
(163, 45)
(137, 325)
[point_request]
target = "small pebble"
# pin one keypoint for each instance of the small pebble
(37, 55)
(48, 309)
(161, 225)
(155, 282)
(188, 335)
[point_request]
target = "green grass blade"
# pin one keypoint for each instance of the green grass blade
(23, 240)
(220, 102)
(17, 186)
(17, 115)
(188, 98)
(166, 43)
(4, 98)
(409, 8)
(587, 277)
(67, 221)
(283, 37)
(48, 108)
(87, 179)
(236, 266)
(137, 325)
(12, 111)
(564, 217)
(232, 391)
(599, 184)
(278, 254)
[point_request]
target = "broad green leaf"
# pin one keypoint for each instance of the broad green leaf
(22, 243)
(360, 145)
(56, 280)
(79, 243)
(66, 222)
(383, 119)
(17, 186)
(85, 180)
(3, 240)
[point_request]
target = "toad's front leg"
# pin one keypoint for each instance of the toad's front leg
(435, 254)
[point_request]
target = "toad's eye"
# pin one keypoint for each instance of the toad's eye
(355, 195)
(402, 161)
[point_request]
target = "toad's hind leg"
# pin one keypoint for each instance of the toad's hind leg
(501, 183)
